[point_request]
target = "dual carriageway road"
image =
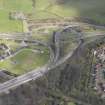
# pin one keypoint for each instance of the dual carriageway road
(35, 74)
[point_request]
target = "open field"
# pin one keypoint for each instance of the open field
(93, 9)
(7, 6)
(24, 61)
(7, 25)
(43, 9)
(17, 5)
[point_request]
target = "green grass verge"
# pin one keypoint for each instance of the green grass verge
(25, 61)
(7, 25)
(71, 103)
(17, 5)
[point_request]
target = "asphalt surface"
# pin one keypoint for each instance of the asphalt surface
(57, 45)
(4, 87)
(35, 74)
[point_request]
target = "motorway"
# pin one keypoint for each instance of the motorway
(35, 74)
(21, 79)
(20, 37)
(57, 45)
(4, 87)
